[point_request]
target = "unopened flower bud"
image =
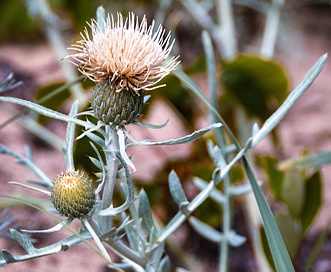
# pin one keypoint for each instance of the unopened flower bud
(73, 194)
(116, 107)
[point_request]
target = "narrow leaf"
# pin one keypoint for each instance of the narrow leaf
(240, 190)
(165, 265)
(216, 153)
(176, 188)
(53, 229)
(122, 147)
(43, 110)
(145, 211)
(310, 161)
(133, 237)
(205, 230)
(65, 244)
(183, 140)
(9, 83)
(96, 239)
(235, 239)
(152, 126)
(277, 246)
(70, 138)
(279, 114)
(111, 211)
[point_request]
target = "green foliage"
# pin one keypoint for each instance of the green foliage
(176, 94)
(55, 101)
(290, 229)
(313, 200)
(276, 177)
(15, 21)
(210, 212)
(300, 193)
(293, 193)
(308, 161)
(257, 84)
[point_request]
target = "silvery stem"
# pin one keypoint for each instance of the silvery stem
(112, 163)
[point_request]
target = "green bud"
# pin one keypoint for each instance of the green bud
(116, 107)
(73, 194)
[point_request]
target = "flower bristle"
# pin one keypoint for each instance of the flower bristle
(131, 56)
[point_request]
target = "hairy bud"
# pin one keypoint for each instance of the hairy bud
(73, 194)
(116, 107)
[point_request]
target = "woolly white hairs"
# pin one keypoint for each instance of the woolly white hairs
(127, 54)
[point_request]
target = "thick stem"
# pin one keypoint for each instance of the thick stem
(126, 252)
(112, 163)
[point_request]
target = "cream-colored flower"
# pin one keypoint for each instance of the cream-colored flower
(128, 54)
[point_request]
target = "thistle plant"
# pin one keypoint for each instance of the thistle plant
(127, 58)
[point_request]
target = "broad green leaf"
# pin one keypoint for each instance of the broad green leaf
(275, 177)
(290, 229)
(294, 193)
(313, 200)
(259, 85)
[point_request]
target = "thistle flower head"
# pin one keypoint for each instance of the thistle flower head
(128, 54)
(73, 194)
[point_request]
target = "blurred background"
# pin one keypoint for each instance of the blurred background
(32, 34)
